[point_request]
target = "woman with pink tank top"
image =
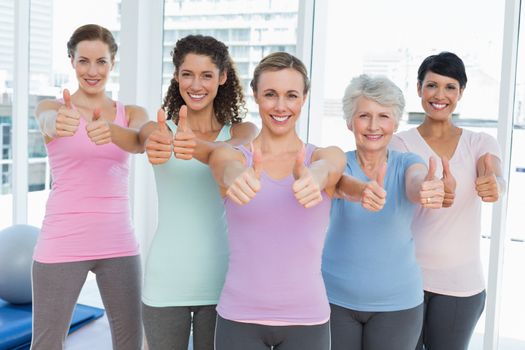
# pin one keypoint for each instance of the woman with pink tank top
(277, 199)
(87, 225)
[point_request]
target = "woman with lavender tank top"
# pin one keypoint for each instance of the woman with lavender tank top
(277, 199)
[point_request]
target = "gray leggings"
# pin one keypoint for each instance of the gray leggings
(450, 321)
(168, 328)
(356, 330)
(56, 288)
(231, 335)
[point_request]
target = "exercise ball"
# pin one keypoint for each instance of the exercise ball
(16, 256)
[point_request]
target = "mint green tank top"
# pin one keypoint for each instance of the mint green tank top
(188, 257)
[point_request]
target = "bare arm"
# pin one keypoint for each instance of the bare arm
(238, 182)
(328, 165)
(241, 134)
(127, 138)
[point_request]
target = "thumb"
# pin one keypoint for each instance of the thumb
(96, 114)
(489, 165)
(183, 119)
(67, 98)
(431, 169)
(446, 168)
(161, 120)
(256, 161)
(381, 175)
(299, 163)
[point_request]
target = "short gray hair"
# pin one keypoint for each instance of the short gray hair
(379, 89)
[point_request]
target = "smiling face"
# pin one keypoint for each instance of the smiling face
(280, 98)
(373, 125)
(92, 63)
(439, 95)
(199, 79)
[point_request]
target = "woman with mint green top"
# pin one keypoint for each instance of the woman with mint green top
(187, 261)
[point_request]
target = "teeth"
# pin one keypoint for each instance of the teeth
(374, 137)
(438, 105)
(196, 96)
(280, 119)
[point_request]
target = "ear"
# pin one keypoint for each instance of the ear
(305, 97)
(349, 124)
(255, 97)
(72, 62)
(176, 76)
(419, 89)
(223, 77)
(461, 93)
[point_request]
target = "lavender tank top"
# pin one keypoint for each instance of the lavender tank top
(274, 272)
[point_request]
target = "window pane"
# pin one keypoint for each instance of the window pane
(7, 15)
(512, 320)
(392, 38)
(52, 23)
(250, 28)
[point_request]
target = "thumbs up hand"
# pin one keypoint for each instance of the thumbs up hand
(98, 129)
(449, 183)
(184, 140)
(306, 187)
(68, 119)
(487, 184)
(432, 191)
(373, 197)
(247, 183)
(159, 143)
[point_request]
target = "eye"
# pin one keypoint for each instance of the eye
(293, 96)
(208, 76)
(431, 85)
(451, 87)
(185, 74)
(269, 94)
(386, 116)
(363, 115)
(102, 62)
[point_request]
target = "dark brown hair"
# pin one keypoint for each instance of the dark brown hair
(228, 105)
(91, 32)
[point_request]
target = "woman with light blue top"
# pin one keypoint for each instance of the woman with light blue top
(372, 278)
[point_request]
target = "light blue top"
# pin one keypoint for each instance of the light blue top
(368, 261)
(188, 258)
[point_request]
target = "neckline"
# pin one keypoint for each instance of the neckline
(422, 139)
(388, 157)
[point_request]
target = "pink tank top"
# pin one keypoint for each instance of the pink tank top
(87, 213)
(274, 271)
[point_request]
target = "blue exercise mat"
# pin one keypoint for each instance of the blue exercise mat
(15, 323)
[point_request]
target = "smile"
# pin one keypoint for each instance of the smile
(438, 106)
(280, 119)
(373, 137)
(196, 96)
(92, 82)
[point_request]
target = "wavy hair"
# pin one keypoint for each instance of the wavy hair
(229, 104)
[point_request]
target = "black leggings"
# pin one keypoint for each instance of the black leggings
(450, 321)
(168, 328)
(361, 330)
(231, 335)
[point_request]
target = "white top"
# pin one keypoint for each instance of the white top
(447, 240)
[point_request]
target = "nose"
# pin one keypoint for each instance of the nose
(440, 93)
(374, 123)
(92, 70)
(280, 105)
(196, 84)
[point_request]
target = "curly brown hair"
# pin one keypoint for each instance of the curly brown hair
(229, 104)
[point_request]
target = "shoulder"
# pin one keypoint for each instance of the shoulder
(243, 129)
(46, 105)
(135, 110)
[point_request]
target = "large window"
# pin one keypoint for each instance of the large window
(250, 28)
(52, 23)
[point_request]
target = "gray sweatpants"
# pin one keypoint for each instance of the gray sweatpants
(450, 321)
(56, 288)
(168, 328)
(360, 330)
